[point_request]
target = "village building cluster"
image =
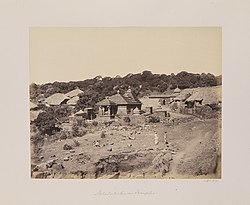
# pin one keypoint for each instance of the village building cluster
(186, 101)
(119, 104)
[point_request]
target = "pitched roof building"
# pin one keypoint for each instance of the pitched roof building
(206, 95)
(118, 99)
(130, 98)
(106, 102)
(33, 106)
(74, 93)
(56, 99)
(119, 104)
(73, 101)
(177, 90)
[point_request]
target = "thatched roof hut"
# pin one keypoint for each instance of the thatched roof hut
(206, 95)
(74, 93)
(34, 114)
(73, 101)
(80, 113)
(147, 102)
(177, 90)
(184, 94)
(33, 106)
(163, 96)
(56, 99)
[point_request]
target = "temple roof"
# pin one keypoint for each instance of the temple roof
(127, 99)
(106, 102)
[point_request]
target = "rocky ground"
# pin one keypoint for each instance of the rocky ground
(193, 150)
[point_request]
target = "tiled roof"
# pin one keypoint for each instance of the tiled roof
(130, 98)
(118, 99)
(106, 102)
(127, 99)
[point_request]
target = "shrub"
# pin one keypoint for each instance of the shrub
(215, 107)
(46, 123)
(95, 123)
(67, 147)
(81, 122)
(108, 123)
(126, 119)
(78, 131)
(76, 143)
(37, 140)
(103, 135)
(65, 135)
(154, 119)
(82, 132)
(75, 130)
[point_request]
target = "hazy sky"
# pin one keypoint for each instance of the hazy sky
(69, 54)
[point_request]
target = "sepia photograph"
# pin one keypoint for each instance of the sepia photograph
(125, 102)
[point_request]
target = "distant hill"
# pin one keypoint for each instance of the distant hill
(142, 84)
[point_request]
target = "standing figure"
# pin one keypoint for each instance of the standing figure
(97, 143)
(156, 138)
(165, 138)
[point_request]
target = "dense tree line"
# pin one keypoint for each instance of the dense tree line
(142, 83)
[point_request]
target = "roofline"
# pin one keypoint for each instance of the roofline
(167, 96)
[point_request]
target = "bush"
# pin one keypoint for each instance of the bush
(67, 147)
(215, 107)
(154, 119)
(82, 132)
(95, 123)
(76, 143)
(65, 135)
(103, 135)
(37, 140)
(75, 130)
(46, 123)
(81, 122)
(78, 131)
(126, 119)
(108, 123)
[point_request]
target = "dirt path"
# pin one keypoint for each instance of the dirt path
(201, 146)
(189, 148)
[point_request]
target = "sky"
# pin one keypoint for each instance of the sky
(79, 53)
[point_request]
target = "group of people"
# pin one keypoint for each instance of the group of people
(157, 138)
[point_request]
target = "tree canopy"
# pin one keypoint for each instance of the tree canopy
(142, 83)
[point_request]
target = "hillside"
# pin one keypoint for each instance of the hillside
(129, 151)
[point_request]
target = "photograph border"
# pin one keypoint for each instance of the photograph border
(18, 16)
